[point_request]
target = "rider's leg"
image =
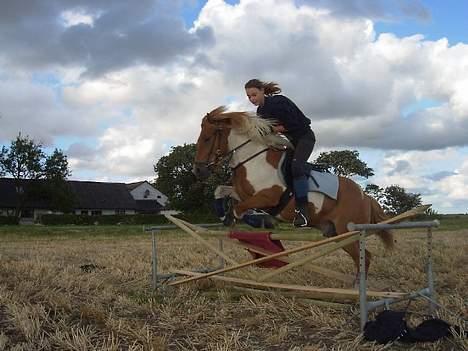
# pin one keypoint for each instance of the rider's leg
(303, 150)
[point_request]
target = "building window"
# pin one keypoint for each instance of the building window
(146, 194)
(120, 212)
(96, 213)
(83, 212)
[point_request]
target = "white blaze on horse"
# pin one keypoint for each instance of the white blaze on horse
(255, 155)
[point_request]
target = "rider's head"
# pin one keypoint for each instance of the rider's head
(256, 91)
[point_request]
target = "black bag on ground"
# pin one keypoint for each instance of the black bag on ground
(391, 326)
(388, 326)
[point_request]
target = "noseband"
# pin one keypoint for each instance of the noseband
(215, 149)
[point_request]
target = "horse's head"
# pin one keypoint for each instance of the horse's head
(212, 144)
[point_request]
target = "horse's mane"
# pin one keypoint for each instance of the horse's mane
(254, 127)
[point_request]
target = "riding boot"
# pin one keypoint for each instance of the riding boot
(301, 214)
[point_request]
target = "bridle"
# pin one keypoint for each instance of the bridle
(218, 157)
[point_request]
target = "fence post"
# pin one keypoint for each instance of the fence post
(154, 257)
(430, 277)
(362, 278)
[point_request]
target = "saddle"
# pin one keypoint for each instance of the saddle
(286, 175)
(310, 167)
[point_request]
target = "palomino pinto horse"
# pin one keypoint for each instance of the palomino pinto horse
(254, 154)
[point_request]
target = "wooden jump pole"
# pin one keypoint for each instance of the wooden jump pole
(320, 270)
(198, 238)
(337, 238)
(187, 227)
(294, 236)
(312, 292)
(333, 247)
(329, 250)
(267, 258)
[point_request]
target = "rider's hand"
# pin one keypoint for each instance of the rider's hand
(279, 128)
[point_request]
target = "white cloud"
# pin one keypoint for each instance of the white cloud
(78, 16)
(144, 98)
(456, 186)
(440, 176)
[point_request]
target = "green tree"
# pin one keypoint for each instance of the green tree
(176, 180)
(397, 200)
(56, 166)
(345, 163)
(26, 162)
(375, 191)
(22, 161)
(56, 171)
(394, 199)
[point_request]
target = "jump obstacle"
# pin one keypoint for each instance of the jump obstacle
(268, 252)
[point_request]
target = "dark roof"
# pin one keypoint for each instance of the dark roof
(101, 195)
(8, 194)
(87, 195)
(131, 186)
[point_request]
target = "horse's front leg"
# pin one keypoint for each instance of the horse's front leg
(265, 198)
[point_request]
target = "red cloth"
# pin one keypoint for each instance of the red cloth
(263, 241)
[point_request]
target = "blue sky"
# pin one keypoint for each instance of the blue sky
(116, 84)
(448, 20)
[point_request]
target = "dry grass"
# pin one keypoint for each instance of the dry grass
(47, 302)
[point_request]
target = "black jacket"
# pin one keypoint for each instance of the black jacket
(283, 110)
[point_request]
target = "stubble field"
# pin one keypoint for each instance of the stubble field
(88, 288)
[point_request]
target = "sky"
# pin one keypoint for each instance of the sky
(115, 84)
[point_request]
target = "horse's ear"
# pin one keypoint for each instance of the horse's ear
(237, 119)
(216, 112)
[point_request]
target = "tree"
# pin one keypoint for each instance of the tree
(23, 159)
(394, 199)
(345, 163)
(26, 162)
(375, 191)
(176, 180)
(56, 166)
(397, 200)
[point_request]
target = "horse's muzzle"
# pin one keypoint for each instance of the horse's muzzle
(201, 170)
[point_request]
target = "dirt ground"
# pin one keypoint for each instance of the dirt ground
(93, 293)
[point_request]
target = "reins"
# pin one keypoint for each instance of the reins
(249, 158)
(231, 153)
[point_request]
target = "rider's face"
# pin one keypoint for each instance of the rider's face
(256, 96)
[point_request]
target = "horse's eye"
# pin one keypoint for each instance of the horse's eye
(207, 139)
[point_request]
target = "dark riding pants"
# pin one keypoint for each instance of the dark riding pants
(303, 149)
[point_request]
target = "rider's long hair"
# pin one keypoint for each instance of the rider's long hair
(269, 88)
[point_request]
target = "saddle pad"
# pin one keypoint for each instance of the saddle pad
(328, 183)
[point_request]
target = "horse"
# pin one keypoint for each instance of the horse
(254, 155)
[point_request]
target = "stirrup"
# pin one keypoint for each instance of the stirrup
(300, 220)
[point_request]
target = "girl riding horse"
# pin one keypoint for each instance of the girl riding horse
(255, 155)
(296, 126)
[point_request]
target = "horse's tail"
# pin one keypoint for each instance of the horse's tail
(378, 215)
